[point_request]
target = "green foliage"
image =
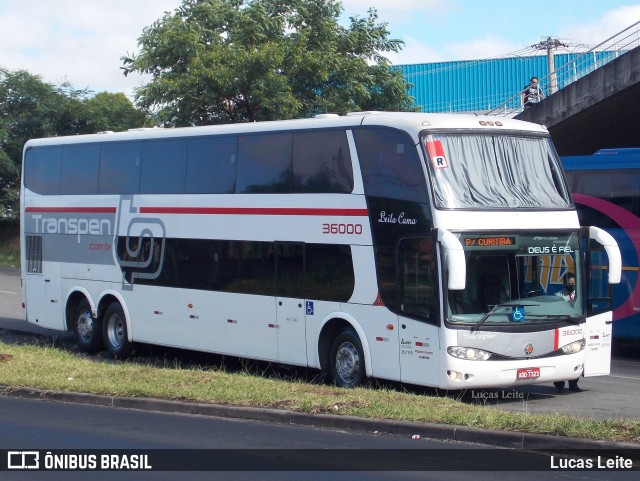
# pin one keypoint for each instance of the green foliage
(109, 111)
(9, 244)
(57, 368)
(218, 61)
(31, 108)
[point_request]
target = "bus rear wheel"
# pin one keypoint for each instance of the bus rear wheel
(115, 331)
(87, 329)
(346, 360)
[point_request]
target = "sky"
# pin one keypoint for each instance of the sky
(82, 41)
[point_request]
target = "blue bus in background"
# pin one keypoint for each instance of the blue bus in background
(606, 191)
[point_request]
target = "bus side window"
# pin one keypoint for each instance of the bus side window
(289, 269)
(328, 272)
(600, 299)
(417, 272)
(390, 165)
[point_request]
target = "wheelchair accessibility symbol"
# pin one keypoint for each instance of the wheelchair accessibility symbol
(517, 314)
(309, 308)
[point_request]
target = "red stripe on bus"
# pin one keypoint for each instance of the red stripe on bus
(556, 339)
(74, 210)
(254, 211)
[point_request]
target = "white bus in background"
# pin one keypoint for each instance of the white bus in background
(419, 248)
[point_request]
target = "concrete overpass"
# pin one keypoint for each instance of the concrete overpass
(600, 110)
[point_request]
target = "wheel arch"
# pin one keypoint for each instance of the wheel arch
(74, 296)
(107, 298)
(331, 326)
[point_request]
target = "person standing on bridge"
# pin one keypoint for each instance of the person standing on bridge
(532, 93)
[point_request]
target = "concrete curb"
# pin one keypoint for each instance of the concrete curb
(506, 439)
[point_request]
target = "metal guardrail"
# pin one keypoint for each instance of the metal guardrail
(579, 66)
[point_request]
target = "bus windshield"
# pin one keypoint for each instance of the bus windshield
(519, 279)
(480, 171)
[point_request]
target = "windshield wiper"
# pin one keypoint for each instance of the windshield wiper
(480, 322)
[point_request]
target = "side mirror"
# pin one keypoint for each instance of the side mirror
(456, 263)
(610, 245)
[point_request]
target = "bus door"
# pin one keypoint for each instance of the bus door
(290, 303)
(43, 291)
(602, 271)
(418, 305)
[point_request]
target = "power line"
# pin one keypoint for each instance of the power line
(551, 45)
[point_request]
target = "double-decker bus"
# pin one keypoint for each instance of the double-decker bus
(419, 248)
(606, 191)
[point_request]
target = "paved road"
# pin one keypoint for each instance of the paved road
(10, 295)
(613, 396)
(54, 426)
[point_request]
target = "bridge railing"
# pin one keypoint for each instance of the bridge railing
(576, 68)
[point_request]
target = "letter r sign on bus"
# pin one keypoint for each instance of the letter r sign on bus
(436, 152)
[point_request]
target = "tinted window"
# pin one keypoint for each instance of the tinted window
(329, 272)
(211, 166)
(322, 162)
(142, 260)
(42, 170)
(589, 216)
(164, 167)
(80, 165)
(120, 168)
(312, 271)
(197, 262)
(390, 165)
(387, 278)
(264, 164)
(620, 187)
(247, 267)
(418, 290)
(571, 179)
(315, 162)
(290, 269)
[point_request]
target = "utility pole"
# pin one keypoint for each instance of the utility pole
(550, 45)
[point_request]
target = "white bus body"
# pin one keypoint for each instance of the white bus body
(359, 245)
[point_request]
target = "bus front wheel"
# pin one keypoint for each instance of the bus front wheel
(115, 331)
(346, 360)
(87, 329)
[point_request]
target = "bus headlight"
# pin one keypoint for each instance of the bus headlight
(468, 353)
(573, 347)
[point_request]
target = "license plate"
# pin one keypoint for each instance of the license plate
(528, 373)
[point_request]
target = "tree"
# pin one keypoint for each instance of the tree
(114, 111)
(31, 108)
(218, 61)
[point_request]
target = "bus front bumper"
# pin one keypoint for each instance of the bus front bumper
(463, 374)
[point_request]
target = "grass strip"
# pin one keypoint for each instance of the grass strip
(54, 368)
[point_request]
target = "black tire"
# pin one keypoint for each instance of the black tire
(87, 329)
(114, 331)
(346, 360)
(573, 385)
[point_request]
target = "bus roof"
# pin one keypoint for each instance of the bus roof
(604, 159)
(411, 121)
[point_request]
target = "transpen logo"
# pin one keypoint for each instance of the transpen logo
(71, 225)
(141, 252)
